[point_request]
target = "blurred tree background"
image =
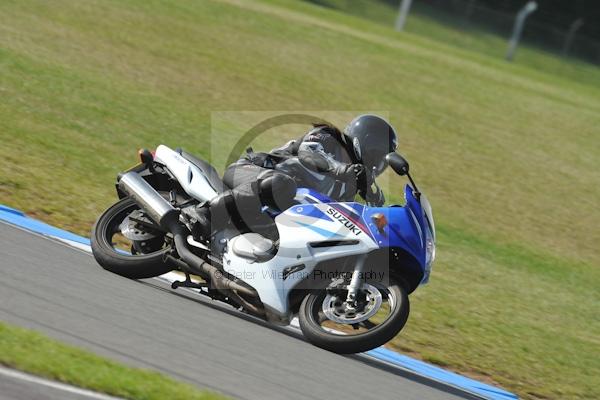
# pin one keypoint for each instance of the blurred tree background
(547, 28)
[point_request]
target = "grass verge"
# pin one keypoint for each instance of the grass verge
(37, 354)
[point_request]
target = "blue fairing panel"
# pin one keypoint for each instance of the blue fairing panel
(311, 196)
(401, 230)
(405, 224)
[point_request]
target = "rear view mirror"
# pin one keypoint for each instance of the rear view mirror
(398, 163)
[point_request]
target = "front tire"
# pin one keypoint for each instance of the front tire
(134, 266)
(352, 338)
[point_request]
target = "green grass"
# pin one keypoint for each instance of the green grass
(37, 354)
(507, 153)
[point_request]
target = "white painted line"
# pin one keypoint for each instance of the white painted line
(77, 245)
(11, 373)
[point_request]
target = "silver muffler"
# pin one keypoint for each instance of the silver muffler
(164, 214)
(157, 208)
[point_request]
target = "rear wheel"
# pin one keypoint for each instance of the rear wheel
(123, 242)
(329, 322)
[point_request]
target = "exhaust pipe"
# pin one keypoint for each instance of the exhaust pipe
(198, 266)
(164, 214)
(157, 208)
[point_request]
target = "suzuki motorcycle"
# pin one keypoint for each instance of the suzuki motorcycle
(345, 269)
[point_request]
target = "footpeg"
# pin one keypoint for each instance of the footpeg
(188, 283)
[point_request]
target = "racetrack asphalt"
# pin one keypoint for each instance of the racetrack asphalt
(58, 290)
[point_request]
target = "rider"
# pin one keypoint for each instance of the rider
(337, 164)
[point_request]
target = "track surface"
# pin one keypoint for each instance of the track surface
(61, 291)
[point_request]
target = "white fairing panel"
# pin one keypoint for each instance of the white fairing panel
(187, 174)
(296, 231)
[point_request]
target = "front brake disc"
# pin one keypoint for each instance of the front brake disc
(337, 310)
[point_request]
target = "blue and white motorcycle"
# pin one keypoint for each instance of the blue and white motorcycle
(344, 269)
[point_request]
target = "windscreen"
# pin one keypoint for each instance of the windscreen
(428, 213)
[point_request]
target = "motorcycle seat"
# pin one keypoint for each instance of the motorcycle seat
(253, 246)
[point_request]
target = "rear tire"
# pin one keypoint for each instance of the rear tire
(138, 266)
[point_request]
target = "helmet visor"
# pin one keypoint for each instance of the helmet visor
(380, 166)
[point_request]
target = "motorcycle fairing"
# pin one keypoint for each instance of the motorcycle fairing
(406, 224)
(309, 234)
(313, 233)
(190, 177)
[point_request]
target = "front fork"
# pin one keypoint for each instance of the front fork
(355, 282)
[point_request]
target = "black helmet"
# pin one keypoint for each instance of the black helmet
(372, 138)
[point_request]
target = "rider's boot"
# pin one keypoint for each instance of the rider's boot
(209, 217)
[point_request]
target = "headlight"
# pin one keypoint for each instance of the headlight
(430, 232)
(429, 249)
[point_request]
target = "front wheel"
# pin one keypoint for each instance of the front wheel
(123, 242)
(379, 313)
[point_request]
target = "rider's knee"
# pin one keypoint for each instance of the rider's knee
(277, 190)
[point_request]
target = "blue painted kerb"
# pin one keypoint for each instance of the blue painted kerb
(18, 218)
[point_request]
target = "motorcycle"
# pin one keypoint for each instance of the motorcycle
(345, 269)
